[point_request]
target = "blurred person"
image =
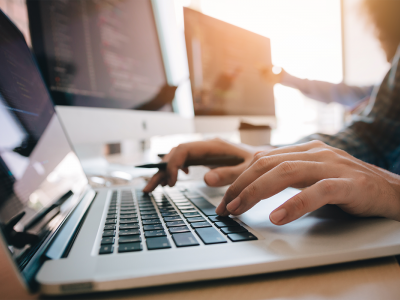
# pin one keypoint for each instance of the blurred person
(350, 96)
(356, 169)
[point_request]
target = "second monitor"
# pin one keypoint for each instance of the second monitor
(224, 64)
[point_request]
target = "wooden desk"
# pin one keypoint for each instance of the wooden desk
(373, 279)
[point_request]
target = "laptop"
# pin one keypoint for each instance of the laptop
(64, 237)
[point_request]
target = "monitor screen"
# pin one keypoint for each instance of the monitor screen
(37, 164)
(224, 65)
(99, 53)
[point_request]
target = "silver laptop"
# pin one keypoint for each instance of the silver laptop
(65, 237)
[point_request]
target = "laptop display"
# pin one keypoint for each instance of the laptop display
(37, 164)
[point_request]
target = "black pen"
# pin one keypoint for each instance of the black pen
(227, 160)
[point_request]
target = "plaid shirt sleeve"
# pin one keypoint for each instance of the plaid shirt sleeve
(374, 135)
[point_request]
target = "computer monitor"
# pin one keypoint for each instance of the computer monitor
(224, 65)
(100, 53)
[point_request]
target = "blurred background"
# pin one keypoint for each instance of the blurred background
(326, 40)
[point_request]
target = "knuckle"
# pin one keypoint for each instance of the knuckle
(287, 168)
(251, 191)
(299, 203)
(326, 153)
(328, 187)
(262, 164)
(232, 191)
(365, 183)
(317, 143)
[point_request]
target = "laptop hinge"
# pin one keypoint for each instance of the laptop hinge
(62, 242)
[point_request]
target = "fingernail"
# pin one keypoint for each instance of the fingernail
(234, 205)
(211, 178)
(278, 215)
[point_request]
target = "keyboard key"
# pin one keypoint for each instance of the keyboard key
(129, 216)
(153, 227)
(205, 207)
(176, 223)
(129, 232)
(133, 208)
(167, 210)
(129, 226)
(109, 216)
(154, 233)
(226, 223)
(129, 239)
(192, 214)
(241, 237)
(183, 201)
(172, 219)
(210, 235)
(196, 219)
(125, 205)
(157, 243)
(151, 222)
(188, 211)
(219, 219)
(185, 239)
(130, 247)
(108, 233)
(107, 240)
(149, 217)
(112, 211)
(107, 249)
(109, 227)
(185, 206)
(169, 214)
(111, 221)
(178, 229)
(200, 225)
(127, 212)
(145, 208)
(235, 229)
(127, 221)
(149, 212)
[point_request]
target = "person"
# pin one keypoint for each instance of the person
(349, 96)
(356, 169)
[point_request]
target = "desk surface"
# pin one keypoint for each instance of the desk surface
(374, 279)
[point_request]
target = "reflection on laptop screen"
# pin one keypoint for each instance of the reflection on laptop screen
(37, 164)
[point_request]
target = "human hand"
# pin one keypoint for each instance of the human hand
(216, 177)
(329, 175)
(272, 74)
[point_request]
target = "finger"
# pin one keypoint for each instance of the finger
(290, 149)
(154, 181)
(257, 169)
(327, 191)
(224, 175)
(282, 176)
(196, 150)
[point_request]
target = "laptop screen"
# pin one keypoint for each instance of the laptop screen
(37, 164)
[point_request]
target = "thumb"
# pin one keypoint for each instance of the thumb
(223, 175)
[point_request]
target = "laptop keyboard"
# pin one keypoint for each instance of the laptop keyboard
(150, 219)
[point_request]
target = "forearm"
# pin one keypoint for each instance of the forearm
(328, 92)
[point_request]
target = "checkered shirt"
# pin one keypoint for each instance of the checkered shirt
(374, 135)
